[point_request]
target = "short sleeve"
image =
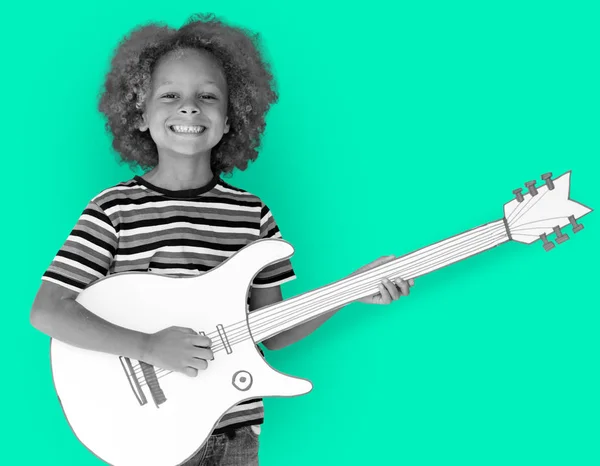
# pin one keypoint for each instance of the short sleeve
(274, 274)
(87, 253)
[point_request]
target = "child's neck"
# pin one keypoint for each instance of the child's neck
(175, 177)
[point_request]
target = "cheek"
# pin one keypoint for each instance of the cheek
(219, 110)
(159, 120)
(222, 118)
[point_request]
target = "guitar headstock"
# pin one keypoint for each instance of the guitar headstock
(544, 210)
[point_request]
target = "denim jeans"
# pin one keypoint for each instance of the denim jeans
(223, 450)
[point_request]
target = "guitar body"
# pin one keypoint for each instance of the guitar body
(102, 394)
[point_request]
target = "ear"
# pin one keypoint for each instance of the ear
(144, 124)
(226, 130)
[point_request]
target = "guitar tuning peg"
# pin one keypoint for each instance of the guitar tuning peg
(560, 236)
(548, 245)
(517, 192)
(547, 177)
(531, 187)
(576, 226)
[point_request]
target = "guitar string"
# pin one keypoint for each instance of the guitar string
(232, 328)
(346, 296)
(518, 229)
(248, 336)
(396, 268)
(413, 260)
(520, 207)
(235, 338)
(526, 234)
(219, 347)
(243, 326)
(533, 201)
(518, 213)
(524, 208)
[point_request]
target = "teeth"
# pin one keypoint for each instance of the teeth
(187, 129)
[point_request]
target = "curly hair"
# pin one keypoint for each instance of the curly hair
(251, 88)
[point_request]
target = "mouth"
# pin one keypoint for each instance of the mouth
(187, 129)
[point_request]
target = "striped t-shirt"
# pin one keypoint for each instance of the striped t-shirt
(137, 226)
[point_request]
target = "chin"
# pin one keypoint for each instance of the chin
(192, 151)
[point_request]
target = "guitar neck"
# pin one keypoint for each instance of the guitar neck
(276, 318)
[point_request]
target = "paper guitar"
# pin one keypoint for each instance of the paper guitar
(129, 413)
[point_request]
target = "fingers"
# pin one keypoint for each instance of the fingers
(195, 338)
(194, 366)
(203, 353)
(384, 295)
(199, 354)
(391, 289)
(190, 371)
(404, 287)
(198, 364)
(201, 340)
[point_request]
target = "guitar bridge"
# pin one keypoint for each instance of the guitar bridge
(133, 380)
(144, 374)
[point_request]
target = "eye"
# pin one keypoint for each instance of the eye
(172, 95)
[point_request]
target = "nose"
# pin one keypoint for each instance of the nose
(189, 108)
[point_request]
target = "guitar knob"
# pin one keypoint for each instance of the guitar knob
(531, 187)
(242, 380)
(548, 245)
(547, 177)
(576, 226)
(560, 237)
(517, 192)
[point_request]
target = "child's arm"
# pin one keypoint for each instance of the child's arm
(261, 297)
(56, 313)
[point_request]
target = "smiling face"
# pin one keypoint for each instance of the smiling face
(186, 108)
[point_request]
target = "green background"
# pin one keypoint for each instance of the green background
(399, 124)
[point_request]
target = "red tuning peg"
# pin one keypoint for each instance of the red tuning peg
(560, 236)
(531, 187)
(548, 245)
(547, 177)
(576, 226)
(517, 192)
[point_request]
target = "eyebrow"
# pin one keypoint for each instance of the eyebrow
(171, 82)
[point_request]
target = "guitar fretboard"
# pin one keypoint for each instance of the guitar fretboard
(276, 318)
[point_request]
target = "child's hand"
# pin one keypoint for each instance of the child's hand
(178, 349)
(388, 291)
